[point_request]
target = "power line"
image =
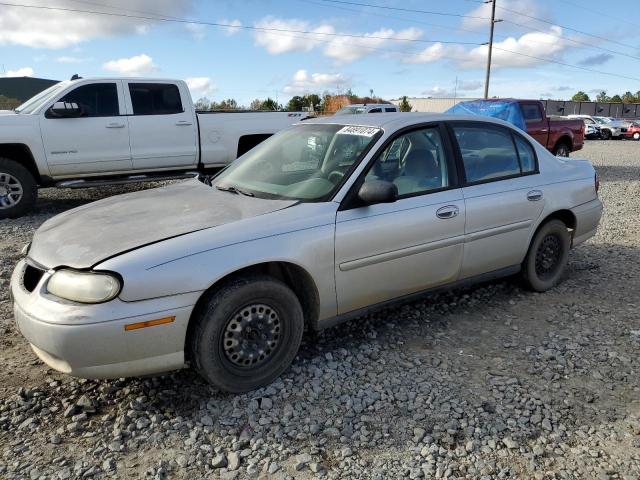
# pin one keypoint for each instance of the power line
(228, 25)
(599, 13)
(526, 27)
(285, 32)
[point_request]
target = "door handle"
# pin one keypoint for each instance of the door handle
(534, 195)
(115, 125)
(183, 123)
(448, 211)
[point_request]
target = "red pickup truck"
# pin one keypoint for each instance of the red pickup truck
(559, 135)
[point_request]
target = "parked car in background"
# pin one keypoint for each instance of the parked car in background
(92, 132)
(358, 108)
(317, 225)
(591, 128)
(609, 127)
(633, 131)
(559, 135)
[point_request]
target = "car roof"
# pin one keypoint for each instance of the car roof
(399, 120)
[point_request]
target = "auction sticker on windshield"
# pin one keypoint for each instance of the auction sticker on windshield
(357, 130)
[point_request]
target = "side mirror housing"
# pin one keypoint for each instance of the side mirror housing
(378, 191)
(65, 110)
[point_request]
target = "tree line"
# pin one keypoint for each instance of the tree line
(325, 103)
(602, 97)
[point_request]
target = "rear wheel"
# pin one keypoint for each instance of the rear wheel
(562, 149)
(18, 189)
(246, 333)
(547, 256)
(605, 134)
(636, 136)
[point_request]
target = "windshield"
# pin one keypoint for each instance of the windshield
(306, 163)
(350, 110)
(602, 120)
(34, 102)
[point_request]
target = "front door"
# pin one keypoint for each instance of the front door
(163, 131)
(96, 142)
(389, 250)
(536, 121)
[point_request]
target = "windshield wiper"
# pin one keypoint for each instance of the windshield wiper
(232, 189)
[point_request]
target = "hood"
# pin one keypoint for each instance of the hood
(85, 236)
(7, 112)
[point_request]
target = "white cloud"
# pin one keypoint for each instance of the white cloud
(197, 30)
(302, 82)
(40, 28)
(438, 91)
(340, 47)
(135, 66)
(20, 72)
(71, 59)
(201, 86)
(505, 10)
(525, 51)
(469, 85)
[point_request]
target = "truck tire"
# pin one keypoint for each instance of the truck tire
(562, 149)
(18, 189)
(246, 333)
(605, 134)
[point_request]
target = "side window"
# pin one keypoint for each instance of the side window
(375, 110)
(95, 99)
(487, 152)
(526, 153)
(415, 162)
(390, 109)
(531, 112)
(155, 99)
(588, 121)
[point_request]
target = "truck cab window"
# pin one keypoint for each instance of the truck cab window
(155, 99)
(531, 112)
(95, 99)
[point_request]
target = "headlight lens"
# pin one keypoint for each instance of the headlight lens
(84, 287)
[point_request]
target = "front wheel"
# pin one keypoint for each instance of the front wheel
(246, 333)
(605, 134)
(18, 189)
(547, 257)
(636, 136)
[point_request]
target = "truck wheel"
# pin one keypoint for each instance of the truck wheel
(562, 149)
(246, 333)
(18, 189)
(605, 134)
(547, 257)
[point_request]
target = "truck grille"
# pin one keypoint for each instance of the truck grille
(31, 277)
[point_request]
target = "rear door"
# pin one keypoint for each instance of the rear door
(503, 195)
(389, 250)
(96, 142)
(163, 126)
(536, 120)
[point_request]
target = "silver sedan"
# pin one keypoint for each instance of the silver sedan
(319, 224)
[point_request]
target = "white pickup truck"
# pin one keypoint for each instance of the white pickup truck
(92, 132)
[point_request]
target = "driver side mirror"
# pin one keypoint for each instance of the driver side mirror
(65, 110)
(378, 191)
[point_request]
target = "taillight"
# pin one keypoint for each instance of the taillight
(597, 182)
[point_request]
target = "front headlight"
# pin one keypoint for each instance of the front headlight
(84, 287)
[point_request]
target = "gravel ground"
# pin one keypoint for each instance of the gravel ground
(482, 383)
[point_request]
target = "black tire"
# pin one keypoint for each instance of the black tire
(547, 257)
(605, 134)
(18, 189)
(222, 314)
(562, 149)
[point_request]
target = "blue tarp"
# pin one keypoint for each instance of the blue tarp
(507, 110)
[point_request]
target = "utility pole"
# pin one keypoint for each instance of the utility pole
(493, 22)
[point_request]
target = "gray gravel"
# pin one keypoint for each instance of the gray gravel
(482, 383)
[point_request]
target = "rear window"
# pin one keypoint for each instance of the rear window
(531, 112)
(389, 109)
(155, 99)
(488, 153)
(526, 153)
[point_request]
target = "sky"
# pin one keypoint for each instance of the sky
(362, 48)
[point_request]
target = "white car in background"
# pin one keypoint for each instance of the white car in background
(317, 225)
(609, 127)
(103, 131)
(358, 108)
